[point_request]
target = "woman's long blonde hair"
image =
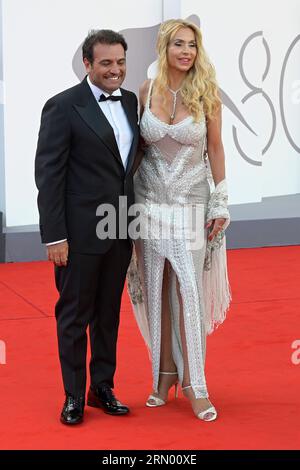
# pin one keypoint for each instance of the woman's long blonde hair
(199, 87)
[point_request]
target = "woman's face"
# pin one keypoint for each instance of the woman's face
(182, 50)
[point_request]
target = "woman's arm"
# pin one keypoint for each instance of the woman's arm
(216, 157)
(215, 148)
(143, 93)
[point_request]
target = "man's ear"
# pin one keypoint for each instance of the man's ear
(87, 65)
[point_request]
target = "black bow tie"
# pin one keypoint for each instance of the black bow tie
(110, 97)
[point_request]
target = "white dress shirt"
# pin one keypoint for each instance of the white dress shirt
(116, 116)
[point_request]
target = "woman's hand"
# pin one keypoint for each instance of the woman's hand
(216, 226)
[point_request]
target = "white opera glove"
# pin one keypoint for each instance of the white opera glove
(217, 208)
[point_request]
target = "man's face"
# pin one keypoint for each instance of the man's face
(108, 69)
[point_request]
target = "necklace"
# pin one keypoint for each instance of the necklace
(174, 93)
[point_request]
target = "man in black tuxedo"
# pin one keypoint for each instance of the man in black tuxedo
(87, 144)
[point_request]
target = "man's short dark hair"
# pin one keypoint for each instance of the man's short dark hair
(102, 36)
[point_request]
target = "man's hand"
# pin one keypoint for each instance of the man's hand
(58, 253)
(217, 227)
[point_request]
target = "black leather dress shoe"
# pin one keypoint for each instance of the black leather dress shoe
(72, 412)
(103, 397)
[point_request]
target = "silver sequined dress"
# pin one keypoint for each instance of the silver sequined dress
(172, 174)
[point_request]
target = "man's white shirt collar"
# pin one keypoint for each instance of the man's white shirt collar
(97, 92)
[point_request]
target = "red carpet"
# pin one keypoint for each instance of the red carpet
(250, 374)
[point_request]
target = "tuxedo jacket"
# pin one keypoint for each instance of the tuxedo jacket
(78, 167)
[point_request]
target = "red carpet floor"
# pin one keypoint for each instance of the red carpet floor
(251, 377)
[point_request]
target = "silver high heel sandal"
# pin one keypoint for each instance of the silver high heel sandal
(157, 401)
(210, 414)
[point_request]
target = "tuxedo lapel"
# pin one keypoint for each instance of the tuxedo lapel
(132, 119)
(89, 110)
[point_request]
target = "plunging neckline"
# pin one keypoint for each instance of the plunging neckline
(154, 115)
(165, 123)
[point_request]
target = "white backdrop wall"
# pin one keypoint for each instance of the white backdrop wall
(281, 163)
(40, 38)
(226, 26)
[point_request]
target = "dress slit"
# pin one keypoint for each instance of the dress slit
(183, 270)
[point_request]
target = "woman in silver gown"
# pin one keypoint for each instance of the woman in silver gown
(177, 278)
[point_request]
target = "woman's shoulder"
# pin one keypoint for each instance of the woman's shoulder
(144, 90)
(145, 85)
